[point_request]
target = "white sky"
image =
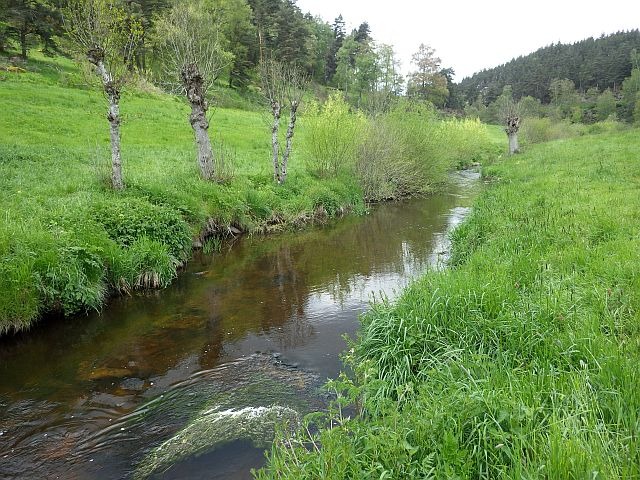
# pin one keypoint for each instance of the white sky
(472, 35)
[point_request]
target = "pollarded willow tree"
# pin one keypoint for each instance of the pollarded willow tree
(283, 86)
(510, 114)
(107, 35)
(192, 59)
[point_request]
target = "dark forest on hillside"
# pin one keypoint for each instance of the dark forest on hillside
(602, 63)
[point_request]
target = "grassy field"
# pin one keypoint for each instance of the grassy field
(521, 361)
(67, 241)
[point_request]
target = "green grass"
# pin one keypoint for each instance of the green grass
(521, 361)
(67, 241)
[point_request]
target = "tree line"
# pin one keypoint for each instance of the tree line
(251, 31)
(189, 46)
(601, 63)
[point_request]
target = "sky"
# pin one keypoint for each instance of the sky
(472, 35)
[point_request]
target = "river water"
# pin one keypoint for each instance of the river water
(187, 382)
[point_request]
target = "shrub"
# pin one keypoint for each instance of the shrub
(71, 279)
(383, 167)
(127, 220)
(410, 151)
(332, 133)
(538, 130)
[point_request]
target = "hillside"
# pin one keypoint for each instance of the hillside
(603, 63)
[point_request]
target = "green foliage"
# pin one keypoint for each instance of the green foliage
(605, 105)
(538, 130)
(601, 62)
(630, 91)
(24, 21)
(127, 220)
(332, 136)
(410, 151)
(426, 82)
(145, 264)
(518, 362)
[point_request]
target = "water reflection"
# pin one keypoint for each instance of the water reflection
(295, 293)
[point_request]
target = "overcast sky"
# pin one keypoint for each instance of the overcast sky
(471, 35)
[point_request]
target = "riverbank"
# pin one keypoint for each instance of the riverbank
(68, 242)
(518, 362)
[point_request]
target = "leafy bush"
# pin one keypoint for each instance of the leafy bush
(410, 151)
(71, 279)
(538, 130)
(383, 167)
(332, 135)
(127, 220)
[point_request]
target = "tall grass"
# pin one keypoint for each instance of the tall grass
(518, 362)
(538, 130)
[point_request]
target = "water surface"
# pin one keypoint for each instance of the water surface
(91, 397)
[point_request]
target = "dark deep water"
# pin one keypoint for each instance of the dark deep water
(92, 397)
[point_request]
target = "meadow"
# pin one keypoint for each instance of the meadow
(520, 361)
(68, 242)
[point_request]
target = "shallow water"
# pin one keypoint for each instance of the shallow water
(98, 396)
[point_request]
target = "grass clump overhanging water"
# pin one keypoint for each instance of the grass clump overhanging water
(67, 241)
(518, 362)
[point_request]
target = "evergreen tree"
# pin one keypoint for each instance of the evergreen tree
(26, 19)
(363, 33)
(603, 63)
(339, 35)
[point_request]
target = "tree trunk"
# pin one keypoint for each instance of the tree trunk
(193, 83)
(276, 110)
(23, 43)
(513, 143)
(200, 125)
(289, 139)
(114, 129)
(511, 128)
(113, 116)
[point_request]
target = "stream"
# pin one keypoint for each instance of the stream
(190, 381)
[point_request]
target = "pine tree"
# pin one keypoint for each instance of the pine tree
(339, 35)
(26, 19)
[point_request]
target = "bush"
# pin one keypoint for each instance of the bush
(332, 135)
(383, 167)
(410, 151)
(127, 220)
(538, 130)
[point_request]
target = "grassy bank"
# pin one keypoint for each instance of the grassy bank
(67, 241)
(521, 360)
